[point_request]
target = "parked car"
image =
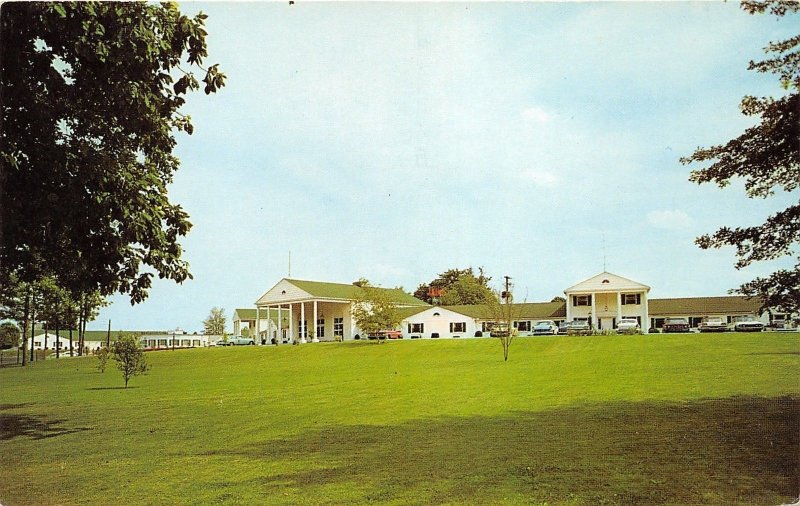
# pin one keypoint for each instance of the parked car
(499, 330)
(712, 324)
(545, 327)
(628, 326)
(386, 334)
(578, 328)
(240, 341)
(675, 325)
(562, 328)
(748, 324)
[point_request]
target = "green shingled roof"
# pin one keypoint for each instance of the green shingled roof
(522, 311)
(407, 312)
(100, 335)
(246, 314)
(250, 315)
(702, 306)
(349, 292)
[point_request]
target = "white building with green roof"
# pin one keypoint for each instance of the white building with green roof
(298, 310)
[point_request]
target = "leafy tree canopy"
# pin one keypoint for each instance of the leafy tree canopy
(767, 158)
(9, 335)
(214, 325)
(91, 94)
(129, 357)
(456, 286)
(375, 310)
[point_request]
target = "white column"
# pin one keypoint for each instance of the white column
(316, 337)
(280, 322)
(594, 310)
(304, 323)
(646, 319)
(569, 305)
(257, 339)
(291, 324)
(619, 307)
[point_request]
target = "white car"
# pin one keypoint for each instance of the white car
(628, 326)
(712, 324)
(240, 341)
(545, 327)
(748, 324)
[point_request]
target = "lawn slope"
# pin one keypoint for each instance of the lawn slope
(568, 420)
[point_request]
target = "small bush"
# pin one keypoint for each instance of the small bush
(103, 354)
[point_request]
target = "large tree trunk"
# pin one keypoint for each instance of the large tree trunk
(33, 325)
(83, 323)
(80, 326)
(58, 337)
(25, 322)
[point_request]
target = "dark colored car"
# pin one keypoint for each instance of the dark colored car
(675, 325)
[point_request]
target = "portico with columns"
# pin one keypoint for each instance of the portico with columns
(605, 299)
(312, 311)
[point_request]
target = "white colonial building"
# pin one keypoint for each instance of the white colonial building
(301, 311)
(297, 310)
(606, 298)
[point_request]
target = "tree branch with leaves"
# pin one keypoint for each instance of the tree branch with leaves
(90, 110)
(767, 157)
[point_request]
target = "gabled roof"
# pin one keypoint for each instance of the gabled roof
(348, 292)
(246, 314)
(408, 312)
(242, 314)
(701, 306)
(526, 310)
(606, 281)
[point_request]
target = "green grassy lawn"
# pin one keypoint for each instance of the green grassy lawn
(678, 419)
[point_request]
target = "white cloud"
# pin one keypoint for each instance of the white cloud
(537, 115)
(672, 220)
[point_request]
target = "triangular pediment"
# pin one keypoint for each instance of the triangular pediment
(607, 282)
(283, 291)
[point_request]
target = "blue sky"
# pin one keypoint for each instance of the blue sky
(394, 141)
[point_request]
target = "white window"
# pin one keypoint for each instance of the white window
(486, 326)
(581, 300)
(629, 299)
(458, 327)
(321, 327)
(301, 325)
(338, 327)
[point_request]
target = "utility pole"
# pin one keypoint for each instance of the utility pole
(108, 335)
(507, 294)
